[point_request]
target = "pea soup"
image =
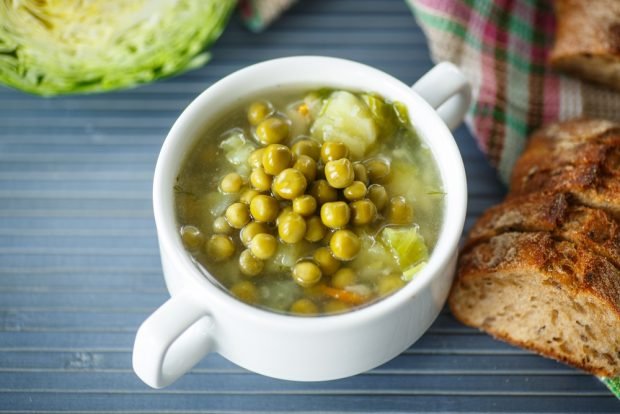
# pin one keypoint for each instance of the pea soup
(310, 202)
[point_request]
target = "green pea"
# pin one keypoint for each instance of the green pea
(250, 265)
(315, 229)
(344, 277)
(192, 237)
(264, 208)
(339, 173)
(272, 130)
(363, 212)
(399, 211)
(251, 230)
(231, 183)
(260, 180)
(307, 166)
(276, 158)
(378, 170)
(345, 245)
(335, 215)
(220, 248)
(307, 147)
(304, 205)
(258, 111)
(306, 273)
(263, 246)
(326, 261)
(221, 226)
(323, 192)
(378, 195)
(304, 306)
(355, 191)
(360, 173)
(255, 160)
(245, 291)
(237, 215)
(292, 228)
(289, 184)
(331, 151)
(247, 196)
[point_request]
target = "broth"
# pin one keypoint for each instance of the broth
(350, 250)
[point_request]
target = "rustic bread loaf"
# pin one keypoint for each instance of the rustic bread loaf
(542, 269)
(587, 40)
(545, 295)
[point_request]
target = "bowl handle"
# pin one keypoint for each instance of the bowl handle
(447, 90)
(172, 340)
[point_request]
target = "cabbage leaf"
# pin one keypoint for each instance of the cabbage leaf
(51, 47)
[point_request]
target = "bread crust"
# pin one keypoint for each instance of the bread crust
(587, 40)
(577, 142)
(580, 157)
(556, 213)
(571, 272)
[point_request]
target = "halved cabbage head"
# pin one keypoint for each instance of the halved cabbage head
(51, 47)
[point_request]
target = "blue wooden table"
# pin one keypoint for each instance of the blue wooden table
(79, 265)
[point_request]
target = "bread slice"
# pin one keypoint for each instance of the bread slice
(542, 269)
(588, 228)
(587, 40)
(544, 295)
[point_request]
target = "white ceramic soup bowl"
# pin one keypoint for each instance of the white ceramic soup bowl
(201, 317)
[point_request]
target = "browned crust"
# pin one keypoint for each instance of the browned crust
(557, 262)
(587, 183)
(577, 142)
(586, 27)
(531, 212)
(588, 228)
(587, 40)
(541, 151)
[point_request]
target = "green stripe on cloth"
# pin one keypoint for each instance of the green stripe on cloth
(537, 36)
(445, 24)
(515, 138)
(514, 122)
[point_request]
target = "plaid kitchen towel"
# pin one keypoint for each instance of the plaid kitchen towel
(502, 47)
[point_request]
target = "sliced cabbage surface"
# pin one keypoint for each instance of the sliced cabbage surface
(51, 47)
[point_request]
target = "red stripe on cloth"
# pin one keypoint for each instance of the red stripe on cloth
(551, 99)
(477, 23)
(486, 99)
(544, 102)
(552, 91)
(457, 9)
(497, 27)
